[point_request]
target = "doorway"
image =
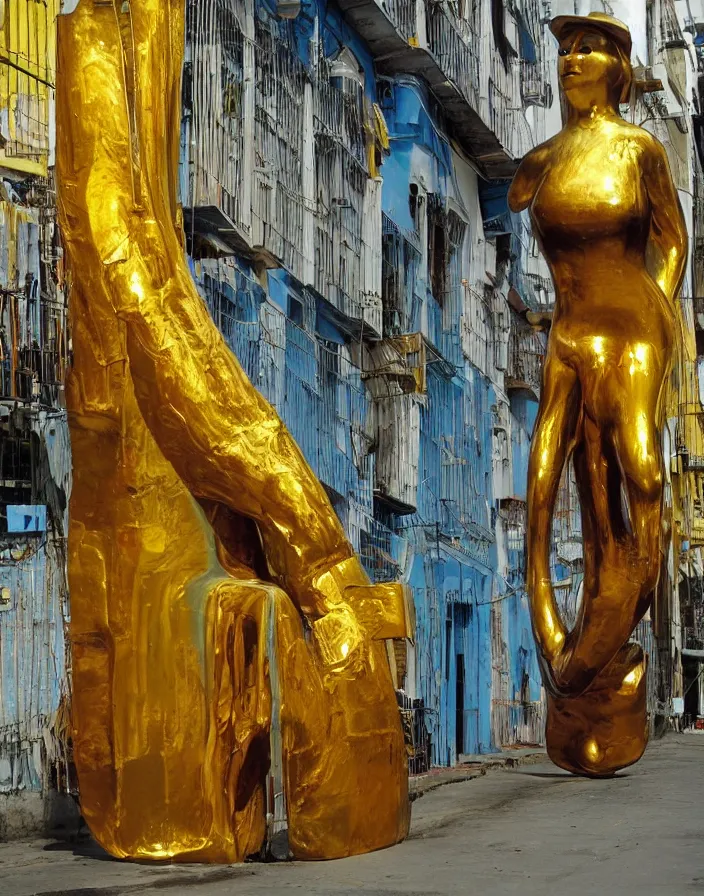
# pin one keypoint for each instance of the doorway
(459, 706)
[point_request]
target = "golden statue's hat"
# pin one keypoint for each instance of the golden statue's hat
(599, 21)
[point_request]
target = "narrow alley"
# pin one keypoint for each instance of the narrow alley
(531, 830)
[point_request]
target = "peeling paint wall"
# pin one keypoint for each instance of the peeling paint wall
(35, 457)
(32, 625)
(35, 485)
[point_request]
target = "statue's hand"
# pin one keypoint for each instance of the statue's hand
(357, 611)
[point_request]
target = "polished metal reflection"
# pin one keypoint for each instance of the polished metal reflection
(213, 591)
(608, 218)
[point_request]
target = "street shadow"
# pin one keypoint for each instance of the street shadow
(85, 848)
(566, 776)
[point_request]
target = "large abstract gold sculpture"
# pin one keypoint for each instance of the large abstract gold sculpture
(610, 224)
(214, 596)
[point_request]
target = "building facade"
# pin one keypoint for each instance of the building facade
(344, 172)
(688, 599)
(35, 461)
(363, 279)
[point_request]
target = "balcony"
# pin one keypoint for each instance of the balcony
(699, 312)
(697, 532)
(27, 75)
(671, 36)
(693, 463)
(539, 292)
(535, 88)
(426, 39)
(525, 360)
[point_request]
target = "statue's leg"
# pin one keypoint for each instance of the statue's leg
(629, 560)
(169, 759)
(598, 722)
(222, 438)
(164, 751)
(604, 729)
(553, 439)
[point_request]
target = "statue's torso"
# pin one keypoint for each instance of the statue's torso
(593, 216)
(593, 191)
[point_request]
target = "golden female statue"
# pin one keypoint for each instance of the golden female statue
(216, 605)
(608, 218)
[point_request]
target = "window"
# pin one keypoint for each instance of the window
(413, 205)
(347, 76)
(329, 358)
(497, 23)
(18, 448)
(437, 249)
(295, 311)
(448, 643)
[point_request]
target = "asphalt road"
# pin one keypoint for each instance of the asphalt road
(533, 830)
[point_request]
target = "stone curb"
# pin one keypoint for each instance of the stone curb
(475, 767)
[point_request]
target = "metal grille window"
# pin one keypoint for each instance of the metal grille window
(671, 36)
(33, 340)
(501, 114)
(526, 351)
(27, 73)
(445, 234)
(340, 183)
(18, 458)
(339, 116)
(455, 45)
(216, 86)
(403, 15)
(535, 87)
(278, 202)
(400, 262)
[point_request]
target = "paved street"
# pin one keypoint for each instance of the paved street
(530, 830)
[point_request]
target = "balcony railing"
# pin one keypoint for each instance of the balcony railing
(415, 730)
(339, 224)
(216, 85)
(380, 550)
(402, 14)
(540, 292)
(455, 47)
(671, 36)
(693, 463)
(429, 39)
(525, 359)
(533, 83)
(400, 261)
(27, 75)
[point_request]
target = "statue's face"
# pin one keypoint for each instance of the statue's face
(588, 60)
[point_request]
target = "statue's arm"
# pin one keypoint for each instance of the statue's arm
(221, 436)
(528, 178)
(668, 233)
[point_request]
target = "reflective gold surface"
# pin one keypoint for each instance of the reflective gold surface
(214, 597)
(608, 218)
